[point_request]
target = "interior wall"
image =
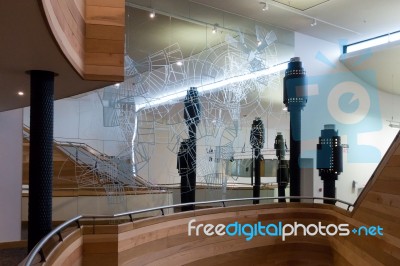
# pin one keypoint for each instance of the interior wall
(65, 208)
(368, 139)
(10, 175)
(81, 120)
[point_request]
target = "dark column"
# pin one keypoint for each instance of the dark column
(330, 189)
(40, 156)
(193, 160)
(257, 138)
(295, 151)
(329, 160)
(257, 176)
(187, 169)
(295, 98)
(282, 171)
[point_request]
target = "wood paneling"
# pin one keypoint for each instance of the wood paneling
(105, 39)
(290, 254)
(164, 240)
(167, 242)
(66, 23)
(91, 35)
(379, 204)
(100, 246)
(69, 251)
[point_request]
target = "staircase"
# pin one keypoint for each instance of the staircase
(77, 165)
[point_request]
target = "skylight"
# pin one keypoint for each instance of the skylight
(387, 38)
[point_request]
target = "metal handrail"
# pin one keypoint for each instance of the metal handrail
(87, 150)
(57, 231)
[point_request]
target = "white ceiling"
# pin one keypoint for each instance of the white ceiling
(353, 20)
(27, 44)
(337, 21)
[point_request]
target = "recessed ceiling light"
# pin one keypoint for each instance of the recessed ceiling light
(20, 93)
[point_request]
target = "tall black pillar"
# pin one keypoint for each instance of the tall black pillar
(295, 98)
(257, 176)
(257, 139)
(282, 172)
(329, 160)
(40, 156)
(295, 152)
(187, 155)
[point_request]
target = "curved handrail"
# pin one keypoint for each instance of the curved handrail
(57, 231)
(87, 150)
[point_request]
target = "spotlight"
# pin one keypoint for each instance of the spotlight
(259, 43)
(117, 85)
(214, 30)
(265, 6)
(152, 14)
(20, 93)
(313, 23)
(179, 63)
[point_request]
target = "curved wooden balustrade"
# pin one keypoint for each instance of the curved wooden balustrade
(164, 240)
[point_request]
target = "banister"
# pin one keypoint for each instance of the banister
(57, 231)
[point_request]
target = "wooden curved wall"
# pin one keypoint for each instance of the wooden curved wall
(165, 241)
(379, 204)
(91, 35)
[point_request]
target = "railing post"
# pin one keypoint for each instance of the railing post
(60, 238)
(42, 256)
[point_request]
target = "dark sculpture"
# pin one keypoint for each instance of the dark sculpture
(295, 98)
(187, 151)
(329, 160)
(257, 138)
(282, 174)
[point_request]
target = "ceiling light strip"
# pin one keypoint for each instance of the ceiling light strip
(181, 92)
